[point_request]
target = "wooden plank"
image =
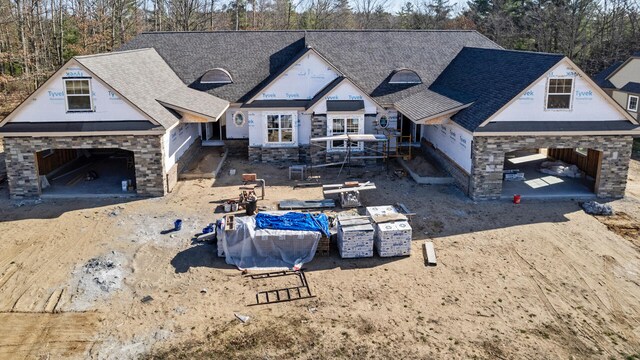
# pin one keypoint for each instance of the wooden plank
(431, 253)
(307, 204)
(347, 189)
(379, 219)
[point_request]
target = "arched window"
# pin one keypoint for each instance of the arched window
(216, 76)
(405, 76)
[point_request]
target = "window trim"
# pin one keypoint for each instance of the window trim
(294, 128)
(345, 116)
(546, 99)
(629, 103)
(66, 95)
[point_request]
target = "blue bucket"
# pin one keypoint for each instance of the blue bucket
(178, 225)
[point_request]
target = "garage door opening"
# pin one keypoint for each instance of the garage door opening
(551, 173)
(86, 172)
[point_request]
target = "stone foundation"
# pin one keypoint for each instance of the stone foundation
(489, 153)
(268, 154)
(22, 167)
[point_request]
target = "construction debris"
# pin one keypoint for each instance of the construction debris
(430, 254)
(595, 208)
(146, 299)
(243, 318)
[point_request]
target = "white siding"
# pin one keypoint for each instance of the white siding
(587, 103)
(453, 140)
(48, 103)
(345, 91)
(177, 141)
(302, 81)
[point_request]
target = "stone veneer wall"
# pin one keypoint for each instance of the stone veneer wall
(489, 153)
(459, 174)
(22, 167)
(269, 154)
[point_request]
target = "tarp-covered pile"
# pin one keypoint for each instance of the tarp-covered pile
(272, 240)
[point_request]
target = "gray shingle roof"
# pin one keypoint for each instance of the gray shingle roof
(195, 101)
(368, 58)
(632, 87)
(426, 104)
(552, 126)
(76, 126)
(251, 57)
(140, 76)
(490, 78)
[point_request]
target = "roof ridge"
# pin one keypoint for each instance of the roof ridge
(305, 31)
(515, 51)
(112, 53)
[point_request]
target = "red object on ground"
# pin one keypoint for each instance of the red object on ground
(516, 199)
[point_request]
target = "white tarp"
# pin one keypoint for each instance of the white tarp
(248, 248)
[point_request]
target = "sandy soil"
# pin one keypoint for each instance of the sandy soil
(537, 280)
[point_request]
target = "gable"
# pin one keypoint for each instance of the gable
(305, 78)
(48, 102)
(345, 91)
(589, 103)
(628, 72)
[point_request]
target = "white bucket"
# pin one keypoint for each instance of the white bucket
(232, 172)
(125, 185)
(234, 207)
(227, 207)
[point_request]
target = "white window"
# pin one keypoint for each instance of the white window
(344, 125)
(78, 95)
(559, 92)
(632, 104)
(280, 128)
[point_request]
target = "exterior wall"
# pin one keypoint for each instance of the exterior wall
(22, 166)
(452, 140)
(302, 81)
(587, 103)
(235, 131)
(489, 153)
(177, 141)
(48, 103)
(345, 91)
(258, 128)
(622, 98)
(629, 73)
(460, 175)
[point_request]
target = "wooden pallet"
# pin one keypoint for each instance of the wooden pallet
(324, 246)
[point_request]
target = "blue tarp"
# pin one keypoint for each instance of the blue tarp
(293, 221)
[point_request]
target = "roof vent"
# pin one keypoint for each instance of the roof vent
(216, 76)
(405, 76)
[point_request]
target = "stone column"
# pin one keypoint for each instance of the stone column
(22, 168)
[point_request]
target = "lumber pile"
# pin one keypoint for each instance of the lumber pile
(392, 231)
(355, 237)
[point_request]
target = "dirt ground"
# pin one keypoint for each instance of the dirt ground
(538, 280)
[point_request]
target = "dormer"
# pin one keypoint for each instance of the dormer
(216, 76)
(404, 76)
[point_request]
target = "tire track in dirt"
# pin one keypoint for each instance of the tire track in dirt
(617, 312)
(535, 277)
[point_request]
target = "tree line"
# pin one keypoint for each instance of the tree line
(37, 36)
